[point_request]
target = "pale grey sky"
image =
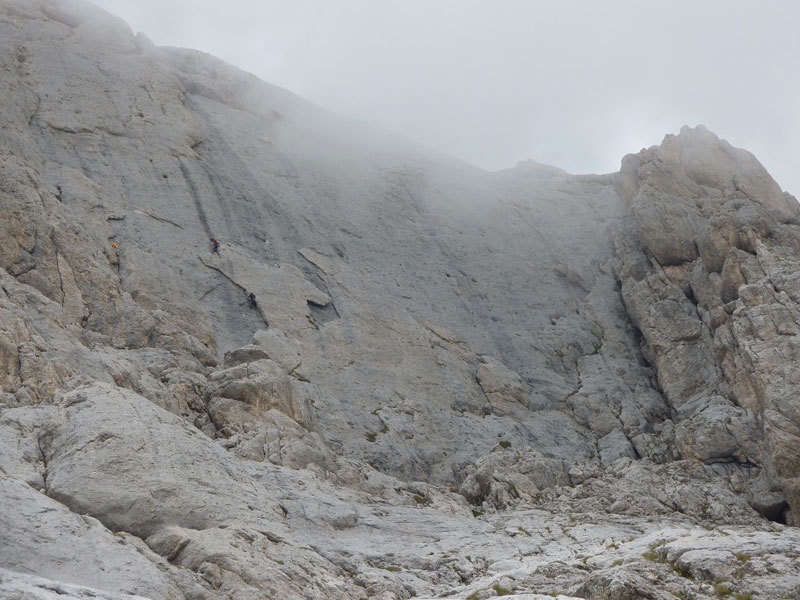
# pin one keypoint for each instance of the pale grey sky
(572, 83)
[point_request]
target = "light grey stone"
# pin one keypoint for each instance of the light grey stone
(450, 380)
(21, 586)
(42, 537)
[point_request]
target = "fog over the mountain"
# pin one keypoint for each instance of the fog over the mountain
(567, 83)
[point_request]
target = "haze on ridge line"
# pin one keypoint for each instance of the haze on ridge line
(570, 84)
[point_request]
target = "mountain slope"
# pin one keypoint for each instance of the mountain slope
(429, 342)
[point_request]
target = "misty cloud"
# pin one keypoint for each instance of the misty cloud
(568, 83)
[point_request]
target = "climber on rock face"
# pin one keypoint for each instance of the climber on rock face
(252, 298)
(215, 245)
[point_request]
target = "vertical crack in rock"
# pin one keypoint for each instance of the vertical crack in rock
(43, 457)
(196, 198)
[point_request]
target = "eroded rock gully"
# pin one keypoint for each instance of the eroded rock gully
(451, 383)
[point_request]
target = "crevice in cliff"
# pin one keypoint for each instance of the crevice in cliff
(43, 457)
(299, 376)
(35, 111)
(195, 194)
(208, 291)
(777, 513)
(81, 129)
(690, 295)
(157, 218)
(61, 281)
(221, 272)
(234, 282)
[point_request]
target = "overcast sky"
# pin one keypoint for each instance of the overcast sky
(572, 83)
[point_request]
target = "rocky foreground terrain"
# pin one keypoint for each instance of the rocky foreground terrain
(452, 383)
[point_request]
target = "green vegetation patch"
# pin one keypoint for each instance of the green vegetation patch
(501, 591)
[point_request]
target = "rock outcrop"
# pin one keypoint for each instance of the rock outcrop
(711, 292)
(446, 383)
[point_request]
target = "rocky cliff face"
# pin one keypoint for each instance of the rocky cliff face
(451, 383)
(707, 268)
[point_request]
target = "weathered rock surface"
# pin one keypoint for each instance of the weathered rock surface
(718, 319)
(451, 383)
(30, 587)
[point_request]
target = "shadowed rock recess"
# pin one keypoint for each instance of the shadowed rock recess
(450, 383)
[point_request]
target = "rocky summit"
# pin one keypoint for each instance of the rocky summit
(250, 349)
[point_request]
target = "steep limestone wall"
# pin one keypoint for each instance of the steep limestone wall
(707, 267)
(451, 382)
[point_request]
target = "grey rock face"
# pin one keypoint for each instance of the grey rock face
(42, 537)
(446, 382)
(708, 315)
(29, 587)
